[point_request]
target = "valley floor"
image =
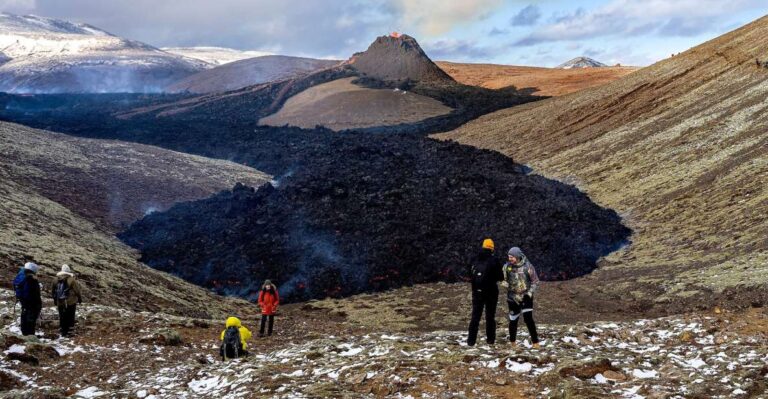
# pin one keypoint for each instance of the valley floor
(317, 353)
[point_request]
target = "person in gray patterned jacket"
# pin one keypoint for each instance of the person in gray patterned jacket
(521, 282)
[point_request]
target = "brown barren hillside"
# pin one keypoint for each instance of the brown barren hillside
(680, 149)
(46, 183)
(340, 105)
(543, 81)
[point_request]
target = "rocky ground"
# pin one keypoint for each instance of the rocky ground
(118, 353)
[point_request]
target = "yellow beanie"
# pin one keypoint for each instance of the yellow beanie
(488, 244)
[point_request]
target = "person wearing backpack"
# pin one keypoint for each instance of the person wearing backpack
(485, 271)
(66, 294)
(234, 339)
(269, 300)
(521, 282)
(27, 289)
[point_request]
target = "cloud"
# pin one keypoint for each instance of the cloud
(435, 17)
(527, 16)
(17, 6)
(633, 18)
(498, 32)
(458, 50)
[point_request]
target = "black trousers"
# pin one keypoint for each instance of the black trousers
(526, 308)
(67, 319)
(483, 301)
(28, 320)
(264, 319)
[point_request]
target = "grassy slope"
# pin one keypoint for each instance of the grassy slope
(680, 149)
(35, 227)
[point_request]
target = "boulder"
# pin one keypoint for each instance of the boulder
(42, 352)
(165, 337)
(584, 369)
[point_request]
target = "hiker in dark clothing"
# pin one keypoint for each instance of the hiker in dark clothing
(521, 282)
(66, 293)
(486, 271)
(31, 302)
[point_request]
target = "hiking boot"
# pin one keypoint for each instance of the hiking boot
(536, 346)
(513, 344)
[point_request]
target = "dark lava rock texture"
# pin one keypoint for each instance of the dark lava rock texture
(365, 213)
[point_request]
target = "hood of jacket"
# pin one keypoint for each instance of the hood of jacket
(64, 275)
(233, 322)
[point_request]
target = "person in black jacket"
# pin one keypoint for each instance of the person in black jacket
(31, 301)
(485, 271)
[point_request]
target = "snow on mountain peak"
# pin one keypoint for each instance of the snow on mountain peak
(581, 62)
(47, 55)
(31, 24)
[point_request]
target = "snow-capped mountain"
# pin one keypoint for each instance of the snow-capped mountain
(581, 62)
(214, 55)
(45, 55)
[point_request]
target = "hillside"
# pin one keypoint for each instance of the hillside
(248, 72)
(60, 197)
(340, 105)
(214, 56)
(539, 81)
(54, 56)
(679, 149)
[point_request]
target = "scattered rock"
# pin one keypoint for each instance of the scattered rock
(42, 352)
(584, 369)
(686, 337)
(167, 337)
(356, 378)
(614, 375)
(199, 323)
(8, 381)
(500, 381)
(24, 358)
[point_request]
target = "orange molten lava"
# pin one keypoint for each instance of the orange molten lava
(395, 35)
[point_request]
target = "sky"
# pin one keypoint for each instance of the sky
(517, 32)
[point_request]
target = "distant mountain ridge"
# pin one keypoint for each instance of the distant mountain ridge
(215, 56)
(581, 62)
(249, 72)
(46, 55)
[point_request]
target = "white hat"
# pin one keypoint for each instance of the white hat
(65, 271)
(33, 267)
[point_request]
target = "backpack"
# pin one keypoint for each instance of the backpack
(62, 292)
(20, 286)
(231, 348)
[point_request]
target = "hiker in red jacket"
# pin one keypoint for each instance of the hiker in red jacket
(268, 302)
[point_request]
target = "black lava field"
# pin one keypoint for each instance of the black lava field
(349, 212)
